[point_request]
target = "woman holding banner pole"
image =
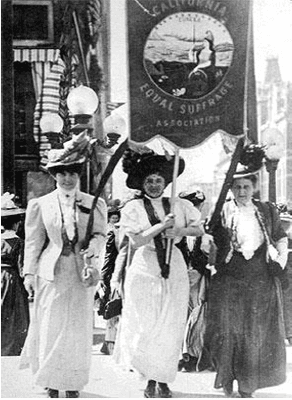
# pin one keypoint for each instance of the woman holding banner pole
(245, 329)
(155, 293)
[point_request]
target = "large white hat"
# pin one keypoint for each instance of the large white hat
(75, 151)
(8, 207)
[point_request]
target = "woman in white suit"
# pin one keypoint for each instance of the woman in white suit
(58, 346)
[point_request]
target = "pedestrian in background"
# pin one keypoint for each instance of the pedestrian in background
(111, 253)
(156, 294)
(14, 298)
(199, 277)
(59, 343)
(245, 329)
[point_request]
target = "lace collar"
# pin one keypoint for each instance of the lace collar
(67, 196)
(230, 221)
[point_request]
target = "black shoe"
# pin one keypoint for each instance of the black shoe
(181, 365)
(52, 393)
(149, 392)
(163, 390)
(228, 389)
(246, 395)
(191, 365)
(72, 393)
(104, 349)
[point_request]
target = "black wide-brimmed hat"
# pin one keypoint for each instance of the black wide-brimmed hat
(139, 166)
(250, 162)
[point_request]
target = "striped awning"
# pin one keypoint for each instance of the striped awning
(36, 55)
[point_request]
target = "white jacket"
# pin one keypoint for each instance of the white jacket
(43, 240)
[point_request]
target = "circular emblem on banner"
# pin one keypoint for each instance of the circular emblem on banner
(188, 54)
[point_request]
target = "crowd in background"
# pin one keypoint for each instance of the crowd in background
(166, 310)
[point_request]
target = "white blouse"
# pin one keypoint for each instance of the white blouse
(134, 218)
(68, 209)
(249, 233)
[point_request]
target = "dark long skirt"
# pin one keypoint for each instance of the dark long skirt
(14, 312)
(245, 328)
(287, 295)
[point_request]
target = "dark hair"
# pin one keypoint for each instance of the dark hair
(77, 168)
(110, 213)
(140, 165)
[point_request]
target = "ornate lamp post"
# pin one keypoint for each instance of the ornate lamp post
(51, 125)
(273, 138)
(82, 103)
(272, 158)
(114, 127)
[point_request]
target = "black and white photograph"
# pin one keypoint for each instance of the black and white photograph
(146, 199)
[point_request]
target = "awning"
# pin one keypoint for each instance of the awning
(35, 55)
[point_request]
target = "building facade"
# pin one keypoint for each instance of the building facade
(74, 36)
(275, 130)
(48, 47)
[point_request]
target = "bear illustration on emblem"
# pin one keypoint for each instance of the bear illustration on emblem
(188, 54)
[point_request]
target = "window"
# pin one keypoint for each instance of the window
(33, 23)
(24, 104)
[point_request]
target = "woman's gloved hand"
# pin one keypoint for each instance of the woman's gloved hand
(282, 252)
(29, 284)
(101, 288)
(90, 275)
(168, 221)
(115, 286)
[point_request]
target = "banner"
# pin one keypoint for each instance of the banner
(187, 69)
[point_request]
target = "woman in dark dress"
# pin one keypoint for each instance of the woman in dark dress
(286, 220)
(14, 299)
(111, 253)
(245, 329)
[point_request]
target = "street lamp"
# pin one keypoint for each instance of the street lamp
(82, 102)
(51, 125)
(273, 153)
(114, 127)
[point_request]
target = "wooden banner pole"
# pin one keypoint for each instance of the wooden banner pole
(172, 201)
(106, 175)
(226, 186)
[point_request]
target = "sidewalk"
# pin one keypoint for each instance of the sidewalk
(107, 381)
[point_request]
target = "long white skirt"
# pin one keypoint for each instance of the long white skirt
(151, 328)
(59, 342)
